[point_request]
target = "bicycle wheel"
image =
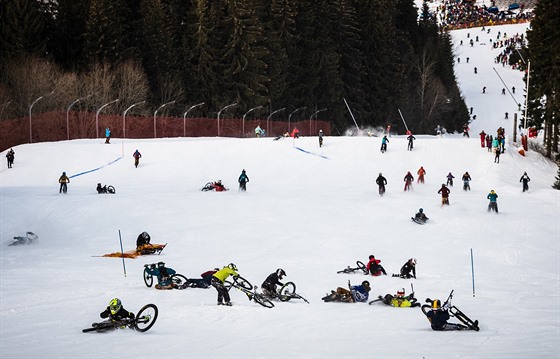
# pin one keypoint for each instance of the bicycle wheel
(148, 279)
(242, 283)
(287, 291)
(362, 266)
(179, 279)
(111, 189)
(146, 317)
(262, 300)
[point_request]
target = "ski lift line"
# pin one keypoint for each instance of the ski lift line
(400, 113)
(311, 153)
(96, 169)
(351, 114)
(506, 87)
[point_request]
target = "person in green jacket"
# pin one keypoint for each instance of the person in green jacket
(493, 197)
(218, 280)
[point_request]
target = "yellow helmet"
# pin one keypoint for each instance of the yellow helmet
(436, 304)
(115, 305)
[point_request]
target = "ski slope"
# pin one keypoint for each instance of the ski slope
(310, 212)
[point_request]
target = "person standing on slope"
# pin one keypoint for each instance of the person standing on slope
(410, 139)
(525, 179)
(63, 180)
(243, 179)
(466, 179)
(218, 280)
(482, 138)
(450, 179)
(444, 191)
(137, 155)
(408, 179)
(493, 204)
(384, 142)
(381, 182)
(421, 172)
(320, 138)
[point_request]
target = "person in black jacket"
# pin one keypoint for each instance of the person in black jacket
(381, 182)
(143, 244)
(439, 316)
(115, 312)
(525, 179)
(269, 285)
(408, 270)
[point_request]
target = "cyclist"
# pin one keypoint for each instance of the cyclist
(163, 275)
(143, 245)
(439, 316)
(115, 312)
(218, 280)
(269, 285)
(356, 293)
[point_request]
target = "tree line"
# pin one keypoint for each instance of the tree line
(379, 55)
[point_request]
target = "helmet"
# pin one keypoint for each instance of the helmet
(232, 266)
(280, 272)
(400, 293)
(64, 173)
(443, 184)
(492, 191)
(421, 210)
(366, 285)
(219, 182)
(380, 174)
(371, 256)
(436, 304)
(115, 305)
(145, 235)
(161, 264)
(412, 261)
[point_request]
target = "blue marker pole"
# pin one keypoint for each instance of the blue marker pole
(122, 253)
(472, 271)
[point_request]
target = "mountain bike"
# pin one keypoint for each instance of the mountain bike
(359, 266)
(246, 287)
(143, 321)
(453, 311)
(287, 292)
(177, 279)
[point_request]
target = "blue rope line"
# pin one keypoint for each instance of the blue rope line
(95, 169)
(312, 153)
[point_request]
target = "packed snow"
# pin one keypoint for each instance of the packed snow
(310, 212)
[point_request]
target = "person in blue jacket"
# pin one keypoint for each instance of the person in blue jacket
(493, 205)
(107, 135)
(384, 142)
(163, 275)
(243, 179)
(356, 293)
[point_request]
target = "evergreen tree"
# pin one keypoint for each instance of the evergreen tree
(556, 184)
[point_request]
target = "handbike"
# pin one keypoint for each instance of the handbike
(246, 287)
(454, 311)
(143, 321)
(287, 292)
(177, 279)
(359, 266)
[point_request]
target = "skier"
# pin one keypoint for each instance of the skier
(444, 195)
(493, 205)
(482, 138)
(410, 139)
(107, 135)
(137, 155)
(466, 179)
(420, 216)
(384, 142)
(269, 285)
(115, 312)
(10, 156)
(163, 275)
(408, 179)
(450, 179)
(63, 180)
(439, 316)
(356, 293)
(381, 182)
(408, 270)
(243, 179)
(421, 172)
(218, 280)
(320, 138)
(525, 179)
(400, 300)
(374, 268)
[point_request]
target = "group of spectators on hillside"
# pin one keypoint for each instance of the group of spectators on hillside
(509, 45)
(458, 14)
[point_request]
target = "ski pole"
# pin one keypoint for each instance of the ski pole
(472, 272)
(122, 252)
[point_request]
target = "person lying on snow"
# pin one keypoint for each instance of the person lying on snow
(400, 300)
(204, 281)
(115, 312)
(356, 293)
(218, 186)
(163, 275)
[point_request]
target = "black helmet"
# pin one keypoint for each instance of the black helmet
(145, 235)
(161, 264)
(366, 285)
(421, 210)
(280, 272)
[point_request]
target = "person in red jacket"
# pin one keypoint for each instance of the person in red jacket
(444, 194)
(408, 179)
(421, 172)
(374, 268)
(482, 138)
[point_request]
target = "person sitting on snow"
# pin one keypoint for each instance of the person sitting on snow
(218, 186)
(420, 216)
(163, 275)
(357, 293)
(408, 270)
(374, 268)
(400, 300)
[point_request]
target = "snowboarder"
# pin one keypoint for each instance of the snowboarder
(444, 194)
(450, 179)
(421, 172)
(410, 139)
(408, 179)
(384, 142)
(482, 138)
(466, 179)
(271, 282)
(493, 205)
(439, 316)
(107, 135)
(400, 300)
(243, 179)
(163, 275)
(63, 180)
(10, 156)
(381, 182)
(137, 155)
(420, 217)
(374, 268)
(320, 138)
(218, 280)
(525, 179)
(356, 293)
